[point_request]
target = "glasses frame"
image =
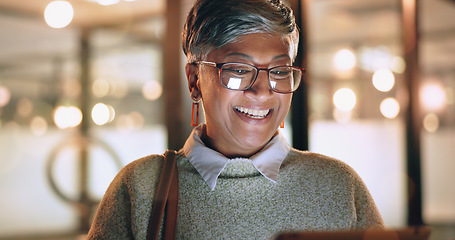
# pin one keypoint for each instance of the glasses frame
(220, 66)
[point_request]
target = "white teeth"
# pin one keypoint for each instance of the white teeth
(258, 114)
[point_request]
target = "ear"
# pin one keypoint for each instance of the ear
(192, 75)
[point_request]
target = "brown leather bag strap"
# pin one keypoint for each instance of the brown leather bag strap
(172, 206)
(166, 196)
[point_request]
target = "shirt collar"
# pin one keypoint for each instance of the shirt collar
(210, 163)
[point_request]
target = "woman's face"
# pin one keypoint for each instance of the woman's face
(230, 130)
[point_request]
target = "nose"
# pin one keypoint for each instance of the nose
(260, 90)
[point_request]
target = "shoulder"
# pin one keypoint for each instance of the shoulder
(320, 165)
(139, 173)
(127, 200)
(143, 166)
(306, 158)
(146, 170)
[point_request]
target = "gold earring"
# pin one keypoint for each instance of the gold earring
(282, 124)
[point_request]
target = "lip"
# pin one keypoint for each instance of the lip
(253, 120)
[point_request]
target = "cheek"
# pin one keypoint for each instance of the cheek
(209, 80)
(286, 102)
(217, 99)
(213, 96)
(206, 87)
(284, 107)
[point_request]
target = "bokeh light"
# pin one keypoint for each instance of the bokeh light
(111, 113)
(24, 107)
(390, 108)
(5, 96)
(431, 122)
(67, 117)
(383, 80)
(100, 87)
(107, 2)
(38, 126)
(102, 114)
(152, 90)
(433, 96)
(130, 122)
(398, 64)
(344, 99)
(58, 14)
(344, 60)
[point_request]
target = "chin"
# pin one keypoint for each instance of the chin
(255, 142)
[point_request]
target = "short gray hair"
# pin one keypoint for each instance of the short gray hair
(211, 24)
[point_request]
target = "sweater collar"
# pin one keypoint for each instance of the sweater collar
(210, 163)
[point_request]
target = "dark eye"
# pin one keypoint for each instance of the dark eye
(243, 71)
(282, 72)
(237, 70)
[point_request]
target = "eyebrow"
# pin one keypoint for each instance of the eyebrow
(251, 58)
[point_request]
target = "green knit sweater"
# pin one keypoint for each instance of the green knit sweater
(313, 192)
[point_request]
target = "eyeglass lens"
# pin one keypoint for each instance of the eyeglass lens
(241, 77)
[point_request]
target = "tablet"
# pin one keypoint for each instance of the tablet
(409, 233)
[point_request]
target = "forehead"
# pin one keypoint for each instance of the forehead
(260, 48)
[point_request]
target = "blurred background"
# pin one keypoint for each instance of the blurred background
(87, 86)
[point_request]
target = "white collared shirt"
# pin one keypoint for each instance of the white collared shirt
(210, 163)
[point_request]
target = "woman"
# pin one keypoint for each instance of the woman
(238, 177)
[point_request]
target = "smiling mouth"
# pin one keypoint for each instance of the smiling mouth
(253, 113)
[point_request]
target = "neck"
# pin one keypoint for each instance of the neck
(228, 150)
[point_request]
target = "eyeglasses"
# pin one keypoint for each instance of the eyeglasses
(241, 76)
